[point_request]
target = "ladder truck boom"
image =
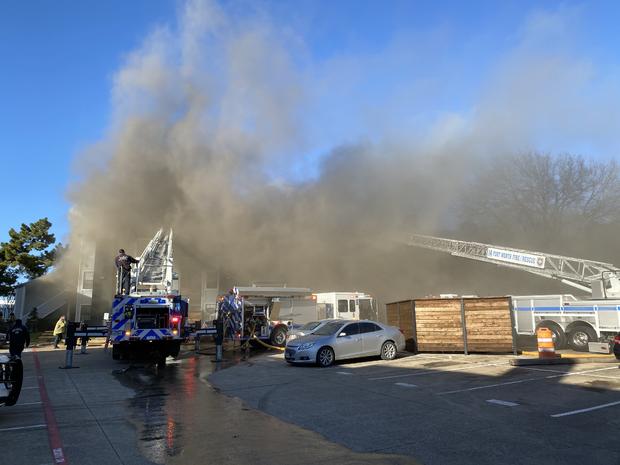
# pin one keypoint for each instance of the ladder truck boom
(576, 272)
(155, 269)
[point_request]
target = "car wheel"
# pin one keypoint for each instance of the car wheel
(579, 338)
(325, 357)
(388, 351)
(278, 336)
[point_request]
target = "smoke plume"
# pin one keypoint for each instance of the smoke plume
(272, 165)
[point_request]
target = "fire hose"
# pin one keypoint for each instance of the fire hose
(252, 336)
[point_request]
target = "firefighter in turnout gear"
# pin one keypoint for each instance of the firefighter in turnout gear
(123, 265)
(19, 337)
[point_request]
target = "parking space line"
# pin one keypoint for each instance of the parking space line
(433, 372)
(488, 386)
(406, 385)
(583, 410)
(16, 428)
(502, 402)
(615, 378)
(344, 372)
(29, 403)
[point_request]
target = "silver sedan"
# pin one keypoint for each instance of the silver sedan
(344, 339)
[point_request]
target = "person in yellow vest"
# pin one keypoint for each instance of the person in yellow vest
(59, 330)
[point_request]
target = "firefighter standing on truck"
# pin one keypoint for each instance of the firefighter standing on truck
(123, 265)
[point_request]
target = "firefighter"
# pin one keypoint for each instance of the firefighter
(18, 338)
(123, 265)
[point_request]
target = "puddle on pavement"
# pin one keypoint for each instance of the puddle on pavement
(181, 419)
(165, 400)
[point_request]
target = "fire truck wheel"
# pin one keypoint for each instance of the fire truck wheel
(580, 336)
(174, 351)
(116, 353)
(278, 336)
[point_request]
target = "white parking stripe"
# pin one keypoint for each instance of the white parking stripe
(344, 372)
(615, 378)
(502, 402)
(15, 428)
(488, 386)
(406, 385)
(435, 372)
(28, 403)
(583, 410)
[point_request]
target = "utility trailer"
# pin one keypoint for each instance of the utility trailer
(574, 321)
(149, 321)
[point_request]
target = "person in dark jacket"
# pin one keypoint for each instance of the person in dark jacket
(19, 337)
(123, 265)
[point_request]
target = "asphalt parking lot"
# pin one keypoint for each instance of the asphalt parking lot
(442, 409)
(122, 413)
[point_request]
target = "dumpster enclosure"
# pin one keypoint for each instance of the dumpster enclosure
(464, 324)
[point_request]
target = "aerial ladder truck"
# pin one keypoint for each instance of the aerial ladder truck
(148, 319)
(573, 320)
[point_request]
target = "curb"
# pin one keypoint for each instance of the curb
(532, 353)
(561, 361)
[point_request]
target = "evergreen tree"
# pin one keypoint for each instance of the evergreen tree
(28, 254)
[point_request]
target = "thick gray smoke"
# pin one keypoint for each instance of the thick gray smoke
(213, 120)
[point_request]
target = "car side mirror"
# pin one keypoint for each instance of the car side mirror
(343, 334)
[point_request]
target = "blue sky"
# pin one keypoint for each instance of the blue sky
(58, 59)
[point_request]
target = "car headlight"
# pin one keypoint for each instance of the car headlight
(292, 336)
(306, 346)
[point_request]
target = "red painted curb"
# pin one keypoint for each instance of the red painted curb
(53, 433)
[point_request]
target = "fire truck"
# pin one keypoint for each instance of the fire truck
(265, 313)
(576, 321)
(148, 320)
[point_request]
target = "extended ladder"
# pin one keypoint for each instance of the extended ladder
(572, 271)
(155, 270)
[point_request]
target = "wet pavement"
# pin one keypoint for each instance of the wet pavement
(112, 413)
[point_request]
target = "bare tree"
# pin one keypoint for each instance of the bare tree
(542, 197)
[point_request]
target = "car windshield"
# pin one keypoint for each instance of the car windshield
(311, 325)
(329, 328)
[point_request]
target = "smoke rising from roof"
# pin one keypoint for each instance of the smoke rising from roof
(217, 125)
